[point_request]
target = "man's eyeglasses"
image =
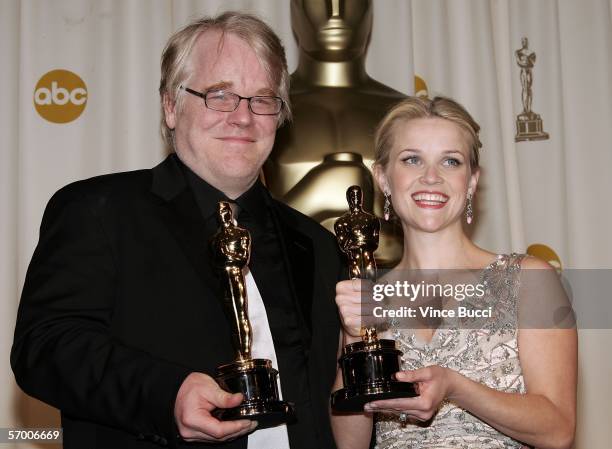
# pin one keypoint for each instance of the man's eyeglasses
(224, 101)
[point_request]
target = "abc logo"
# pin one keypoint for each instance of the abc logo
(60, 96)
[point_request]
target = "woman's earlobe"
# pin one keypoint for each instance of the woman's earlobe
(472, 185)
(380, 180)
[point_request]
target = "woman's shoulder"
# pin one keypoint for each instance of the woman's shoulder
(533, 263)
(521, 261)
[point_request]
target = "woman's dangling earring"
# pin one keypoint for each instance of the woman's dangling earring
(469, 212)
(387, 207)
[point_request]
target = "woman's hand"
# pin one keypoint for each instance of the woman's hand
(433, 383)
(351, 299)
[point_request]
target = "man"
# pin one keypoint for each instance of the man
(121, 321)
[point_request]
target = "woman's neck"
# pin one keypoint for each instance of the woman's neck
(448, 248)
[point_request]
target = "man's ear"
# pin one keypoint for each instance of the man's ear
(381, 179)
(169, 111)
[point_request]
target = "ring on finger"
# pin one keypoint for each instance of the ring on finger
(403, 418)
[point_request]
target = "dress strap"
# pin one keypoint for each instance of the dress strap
(515, 260)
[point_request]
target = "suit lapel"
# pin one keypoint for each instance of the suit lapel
(184, 220)
(298, 253)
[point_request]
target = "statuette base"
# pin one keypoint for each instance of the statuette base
(352, 399)
(529, 127)
(367, 373)
(257, 381)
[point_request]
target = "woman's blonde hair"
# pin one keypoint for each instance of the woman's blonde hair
(176, 57)
(414, 108)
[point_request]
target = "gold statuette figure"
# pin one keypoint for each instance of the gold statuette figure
(232, 249)
(256, 379)
(336, 107)
(528, 124)
(367, 366)
(357, 232)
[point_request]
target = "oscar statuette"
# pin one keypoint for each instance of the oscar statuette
(528, 124)
(256, 379)
(367, 365)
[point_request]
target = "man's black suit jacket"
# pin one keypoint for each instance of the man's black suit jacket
(120, 304)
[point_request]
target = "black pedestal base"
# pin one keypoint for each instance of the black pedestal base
(257, 381)
(352, 399)
(368, 368)
(267, 414)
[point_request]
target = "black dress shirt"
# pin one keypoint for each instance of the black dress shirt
(268, 264)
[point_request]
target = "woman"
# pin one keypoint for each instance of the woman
(477, 389)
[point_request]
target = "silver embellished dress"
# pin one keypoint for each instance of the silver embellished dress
(486, 353)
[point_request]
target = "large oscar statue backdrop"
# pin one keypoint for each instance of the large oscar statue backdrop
(336, 106)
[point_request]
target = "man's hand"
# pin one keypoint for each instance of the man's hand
(197, 397)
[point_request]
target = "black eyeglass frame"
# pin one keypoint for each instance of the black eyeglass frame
(203, 95)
